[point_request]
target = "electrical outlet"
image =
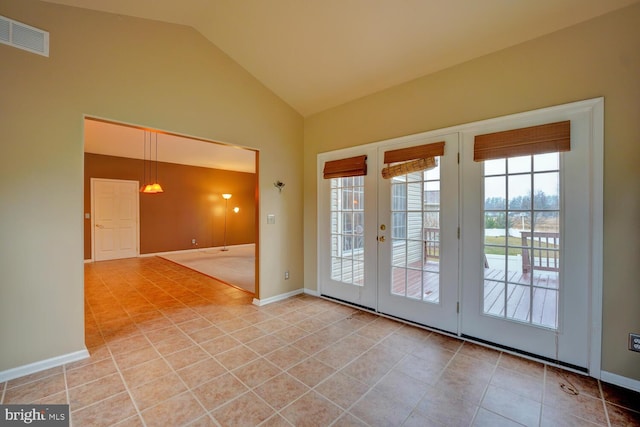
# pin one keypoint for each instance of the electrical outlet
(286, 275)
(194, 242)
(634, 342)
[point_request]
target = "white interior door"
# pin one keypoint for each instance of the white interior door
(347, 224)
(418, 243)
(115, 219)
(527, 243)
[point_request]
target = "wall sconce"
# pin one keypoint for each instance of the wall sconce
(236, 209)
(279, 185)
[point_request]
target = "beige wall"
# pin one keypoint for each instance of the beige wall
(128, 70)
(597, 58)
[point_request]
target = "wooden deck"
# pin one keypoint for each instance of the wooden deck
(522, 298)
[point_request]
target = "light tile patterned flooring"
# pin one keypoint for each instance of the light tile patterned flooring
(172, 347)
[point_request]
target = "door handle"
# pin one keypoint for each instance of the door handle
(381, 238)
(99, 226)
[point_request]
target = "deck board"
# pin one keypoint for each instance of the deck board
(422, 282)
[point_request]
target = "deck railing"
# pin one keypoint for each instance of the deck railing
(545, 246)
(431, 238)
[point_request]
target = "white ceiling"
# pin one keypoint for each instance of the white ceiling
(126, 141)
(317, 54)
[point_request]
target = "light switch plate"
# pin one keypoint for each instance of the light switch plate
(271, 219)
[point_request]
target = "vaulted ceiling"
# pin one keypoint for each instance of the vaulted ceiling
(317, 54)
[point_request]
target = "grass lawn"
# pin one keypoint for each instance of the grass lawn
(496, 245)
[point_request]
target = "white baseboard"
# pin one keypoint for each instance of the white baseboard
(311, 292)
(32, 368)
(619, 380)
(261, 302)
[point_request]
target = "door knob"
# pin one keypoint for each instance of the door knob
(383, 227)
(381, 239)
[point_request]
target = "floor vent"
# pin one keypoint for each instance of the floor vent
(23, 36)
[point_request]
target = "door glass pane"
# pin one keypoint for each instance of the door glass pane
(522, 239)
(519, 164)
(415, 223)
(495, 167)
(495, 193)
(347, 230)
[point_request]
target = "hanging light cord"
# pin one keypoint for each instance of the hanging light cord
(156, 157)
(144, 158)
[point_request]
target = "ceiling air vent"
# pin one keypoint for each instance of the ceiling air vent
(23, 36)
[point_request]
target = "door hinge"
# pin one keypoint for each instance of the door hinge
(458, 232)
(458, 307)
(458, 158)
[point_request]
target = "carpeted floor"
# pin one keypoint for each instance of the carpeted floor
(235, 266)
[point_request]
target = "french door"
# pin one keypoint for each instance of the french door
(527, 242)
(391, 244)
(347, 226)
(417, 238)
(505, 251)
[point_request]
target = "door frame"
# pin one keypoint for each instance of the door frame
(93, 214)
(595, 106)
(257, 202)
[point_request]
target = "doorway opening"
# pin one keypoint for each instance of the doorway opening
(191, 215)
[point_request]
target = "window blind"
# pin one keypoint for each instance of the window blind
(547, 138)
(352, 166)
(411, 159)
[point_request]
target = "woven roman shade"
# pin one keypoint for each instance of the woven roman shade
(352, 166)
(412, 159)
(548, 138)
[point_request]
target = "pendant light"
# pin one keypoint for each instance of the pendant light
(155, 187)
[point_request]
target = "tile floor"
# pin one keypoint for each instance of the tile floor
(172, 347)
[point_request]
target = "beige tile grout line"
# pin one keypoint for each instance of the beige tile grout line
(262, 356)
(484, 392)
(66, 390)
(113, 360)
(250, 389)
(309, 356)
(604, 404)
(127, 388)
(207, 413)
(370, 387)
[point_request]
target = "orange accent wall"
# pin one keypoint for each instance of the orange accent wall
(191, 206)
